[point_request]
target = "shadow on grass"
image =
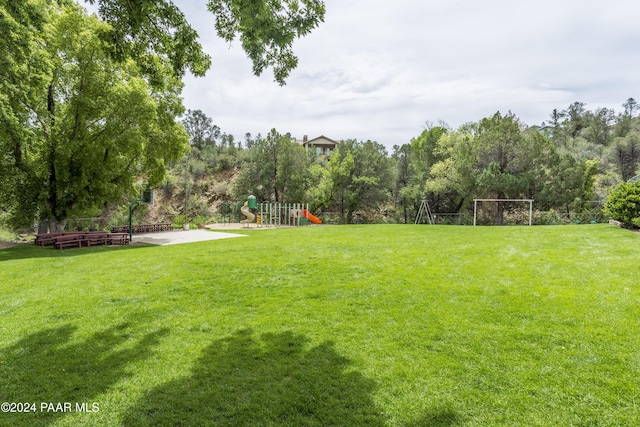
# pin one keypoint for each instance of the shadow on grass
(48, 367)
(438, 418)
(274, 379)
(27, 251)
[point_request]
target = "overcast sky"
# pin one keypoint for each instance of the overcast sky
(382, 70)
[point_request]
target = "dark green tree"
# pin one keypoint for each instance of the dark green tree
(402, 190)
(630, 108)
(276, 170)
(504, 160)
(267, 29)
(202, 132)
(361, 177)
(576, 121)
(625, 155)
(500, 158)
(558, 130)
(623, 203)
(424, 156)
(151, 29)
(599, 128)
(452, 180)
(80, 134)
(623, 126)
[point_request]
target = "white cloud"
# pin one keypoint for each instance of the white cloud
(380, 70)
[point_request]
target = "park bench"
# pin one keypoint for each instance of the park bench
(94, 238)
(76, 239)
(142, 228)
(118, 238)
(48, 239)
(68, 241)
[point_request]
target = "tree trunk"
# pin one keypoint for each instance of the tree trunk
(406, 212)
(53, 184)
(500, 213)
(43, 227)
(349, 217)
(57, 226)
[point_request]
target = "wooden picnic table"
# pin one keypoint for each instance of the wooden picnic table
(94, 238)
(119, 236)
(68, 241)
(71, 239)
(48, 239)
(143, 228)
(118, 239)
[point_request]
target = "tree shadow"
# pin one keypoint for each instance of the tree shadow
(274, 379)
(438, 418)
(28, 251)
(47, 366)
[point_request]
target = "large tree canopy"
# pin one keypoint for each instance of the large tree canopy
(79, 134)
(360, 176)
(148, 29)
(267, 29)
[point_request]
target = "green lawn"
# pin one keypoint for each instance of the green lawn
(345, 325)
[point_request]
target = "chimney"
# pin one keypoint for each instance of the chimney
(305, 139)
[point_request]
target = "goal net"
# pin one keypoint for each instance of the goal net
(502, 211)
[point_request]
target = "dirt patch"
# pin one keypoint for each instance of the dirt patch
(6, 245)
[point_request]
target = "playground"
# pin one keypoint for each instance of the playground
(259, 216)
(270, 214)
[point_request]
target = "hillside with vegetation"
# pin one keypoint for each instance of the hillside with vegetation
(89, 119)
(568, 165)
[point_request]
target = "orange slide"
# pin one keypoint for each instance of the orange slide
(311, 217)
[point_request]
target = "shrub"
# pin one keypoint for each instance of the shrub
(178, 221)
(202, 220)
(623, 203)
(551, 217)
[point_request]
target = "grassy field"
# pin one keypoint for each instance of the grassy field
(345, 325)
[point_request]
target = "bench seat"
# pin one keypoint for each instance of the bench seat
(94, 238)
(68, 241)
(118, 238)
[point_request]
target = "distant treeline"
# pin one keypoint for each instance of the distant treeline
(568, 165)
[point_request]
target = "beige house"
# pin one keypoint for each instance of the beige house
(321, 144)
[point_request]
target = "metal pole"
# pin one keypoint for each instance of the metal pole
(475, 208)
(131, 208)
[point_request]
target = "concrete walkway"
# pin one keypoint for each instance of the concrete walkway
(181, 236)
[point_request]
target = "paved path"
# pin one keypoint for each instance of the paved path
(181, 236)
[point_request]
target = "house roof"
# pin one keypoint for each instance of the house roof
(319, 141)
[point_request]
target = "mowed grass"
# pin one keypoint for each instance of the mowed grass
(345, 325)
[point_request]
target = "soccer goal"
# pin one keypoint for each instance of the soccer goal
(500, 204)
